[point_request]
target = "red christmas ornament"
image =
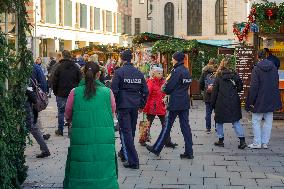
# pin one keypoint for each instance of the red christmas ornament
(253, 11)
(146, 38)
(269, 13)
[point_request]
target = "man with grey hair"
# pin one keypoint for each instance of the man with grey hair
(206, 85)
(66, 77)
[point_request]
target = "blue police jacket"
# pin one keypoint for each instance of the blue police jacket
(129, 87)
(177, 88)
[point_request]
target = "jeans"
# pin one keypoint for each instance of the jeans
(32, 124)
(61, 103)
(239, 130)
(262, 134)
(209, 111)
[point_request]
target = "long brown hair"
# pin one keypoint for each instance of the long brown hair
(223, 65)
(91, 70)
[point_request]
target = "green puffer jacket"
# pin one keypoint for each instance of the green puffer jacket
(91, 161)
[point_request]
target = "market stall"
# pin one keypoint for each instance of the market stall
(265, 29)
(104, 52)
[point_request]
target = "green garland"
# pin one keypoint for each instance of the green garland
(262, 18)
(150, 38)
(174, 45)
(17, 69)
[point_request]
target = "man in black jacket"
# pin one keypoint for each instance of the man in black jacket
(263, 99)
(66, 77)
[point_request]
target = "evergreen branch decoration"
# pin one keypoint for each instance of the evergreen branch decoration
(16, 67)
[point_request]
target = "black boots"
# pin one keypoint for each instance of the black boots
(43, 154)
(243, 144)
(171, 145)
(186, 156)
(220, 143)
(151, 149)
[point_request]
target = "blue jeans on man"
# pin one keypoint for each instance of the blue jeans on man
(208, 115)
(61, 103)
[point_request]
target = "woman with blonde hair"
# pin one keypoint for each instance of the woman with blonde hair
(226, 102)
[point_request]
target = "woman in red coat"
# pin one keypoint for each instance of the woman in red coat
(155, 105)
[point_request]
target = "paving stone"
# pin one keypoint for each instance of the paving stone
(238, 168)
(262, 169)
(165, 180)
(215, 168)
(190, 180)
(203, 174)
(218, 163)
(216, 181)
(203, 187)
(231, 187)
(254, 175)
(243, 182)
(172, 186)
(269, 182)
(225, 174)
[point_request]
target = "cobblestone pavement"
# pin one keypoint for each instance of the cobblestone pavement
(212, 168)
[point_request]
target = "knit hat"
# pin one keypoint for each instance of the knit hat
(178, 56)
(126, 55)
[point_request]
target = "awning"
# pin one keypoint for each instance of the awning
(221, 43)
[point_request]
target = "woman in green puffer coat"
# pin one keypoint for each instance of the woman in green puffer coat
(91, 161)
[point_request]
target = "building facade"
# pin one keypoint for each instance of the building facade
(72, 24)
(198, 19)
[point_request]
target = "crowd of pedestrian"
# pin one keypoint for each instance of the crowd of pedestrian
(89, 95)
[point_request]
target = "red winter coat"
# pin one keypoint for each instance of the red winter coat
(155, 104)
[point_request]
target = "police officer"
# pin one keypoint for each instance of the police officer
(131, 92)
(179, 103)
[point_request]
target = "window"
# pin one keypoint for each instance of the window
(126, 3)
(50, 13)
(60, 12)
(137, 25)
(83, 16)
(221, 17)
(119, 23)
(127, 24)
(194, 17)
(97, 19)
(141, 1)
(108, 21)
(67, 13)
(169, 19)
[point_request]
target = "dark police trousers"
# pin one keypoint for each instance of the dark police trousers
(185, 129)
(127, 119)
